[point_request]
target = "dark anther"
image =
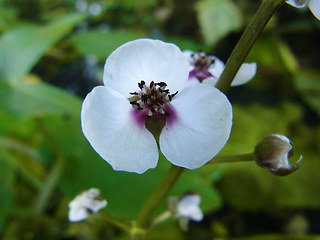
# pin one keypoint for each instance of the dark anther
(133, 102)
(172, 95)
(212, 61)
(160, 102)
(152, 92)
(141, 84)
(166, 91)
(134, 93)
(152, 110)
(151, 84)
(144, 98)
(192, 55)
(161, 84)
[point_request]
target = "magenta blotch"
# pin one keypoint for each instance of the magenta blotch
(140, 116)
(200, 74)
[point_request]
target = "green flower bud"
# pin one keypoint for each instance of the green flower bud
(273, 153)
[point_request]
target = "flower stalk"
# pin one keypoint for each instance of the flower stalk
(154, 200)
(120, 223)
(248, 38)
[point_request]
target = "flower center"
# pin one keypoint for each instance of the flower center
(201, 60)
(201, 63)
(152, 99)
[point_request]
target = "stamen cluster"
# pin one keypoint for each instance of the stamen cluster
(152, 98)
(201, 60)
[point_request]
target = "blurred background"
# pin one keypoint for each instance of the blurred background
(52, 53)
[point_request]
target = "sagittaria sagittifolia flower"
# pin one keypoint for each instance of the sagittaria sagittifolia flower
(144, 83)
(208, 68)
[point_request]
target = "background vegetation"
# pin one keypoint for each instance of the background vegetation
(52, 53)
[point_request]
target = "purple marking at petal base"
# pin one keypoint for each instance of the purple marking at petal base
(200, 74)
(172, 116)
(139, 116)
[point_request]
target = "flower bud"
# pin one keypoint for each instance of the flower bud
(272, 153)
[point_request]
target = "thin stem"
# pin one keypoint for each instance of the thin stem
(121, 223)
(50, 184)
(18, 146)
(233, 158)
(248, 38)
(159, 194)
(161, 218)
(13, 162)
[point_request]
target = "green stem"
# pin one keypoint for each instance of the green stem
(50, 184)
(248, 38)
(13, 162)
(18, 146)
(154, 200)
(161, 218)
(123, 224)
(233, 158)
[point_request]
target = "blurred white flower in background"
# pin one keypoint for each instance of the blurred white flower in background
(84, 204)
(186, 208)
(208, 69)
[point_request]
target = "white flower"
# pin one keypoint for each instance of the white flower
(194, 122)
(273, 153)
(85, 204)
(208, 69)
(314, 5)
(186, 208)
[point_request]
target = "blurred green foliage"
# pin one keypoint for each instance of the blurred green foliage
(45, 160)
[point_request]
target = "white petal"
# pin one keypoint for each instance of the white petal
(314, 6)
(188, 207)
(211, 81)
(95, 205)
(202, 127)
(148, 60)
(216, 68)
(188, 201)
(297, 3)
(188, 53)
(77, 214)
(112, 131)
(246, 72)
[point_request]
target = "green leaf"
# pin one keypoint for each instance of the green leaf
(286, 56)
(217, 19)
(7, 189)
(100, 43)
(36, 99)
(307, 83)
(22, 47)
